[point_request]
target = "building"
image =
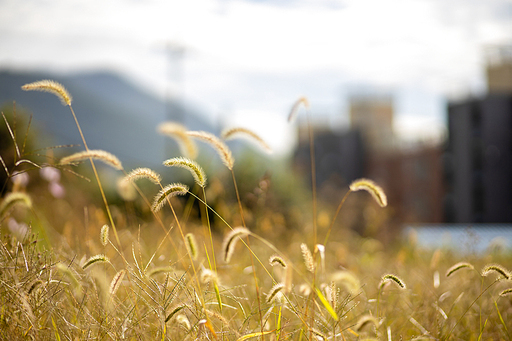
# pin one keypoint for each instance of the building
(499, 69)
(413, 182)
(478, 160)
(373, 116)
(339, 157)
(411, 177)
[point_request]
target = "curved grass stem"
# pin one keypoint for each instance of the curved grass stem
(249, 246)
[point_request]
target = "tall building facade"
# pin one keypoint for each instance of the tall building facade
(373, 116)
(478, 160)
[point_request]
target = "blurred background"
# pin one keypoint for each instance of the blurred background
(416, 95)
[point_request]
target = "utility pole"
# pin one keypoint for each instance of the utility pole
(175, 54)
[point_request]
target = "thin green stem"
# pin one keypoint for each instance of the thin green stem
(191, 261)
(472, 303)
(335, 216)
(313, 176)
(209, 229)
(99, 185)
(252, 258)
(315, 232)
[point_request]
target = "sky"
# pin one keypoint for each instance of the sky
(246, 62)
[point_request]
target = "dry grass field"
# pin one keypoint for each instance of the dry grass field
(218, 259)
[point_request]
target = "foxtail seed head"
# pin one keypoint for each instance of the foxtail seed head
(101, 155)
(104, 235)
(168, 191)
(34, 286)
(159, 270)
(53, 87)
(305, 289)
(375, 190)
(496, 268)
(70, 274)
(190, 165)
(174, 312)
(217, 144)
(179, 133)
(95, 259)
(333, 295)
(183, 320)
(506, 292)
(348, 279)
(209, 276)
(12, 199)
(191, 245)
(143, 173)
(116, 282)
(308, 258)
(125, 189)
(458, 266)
(229, 243)
(273, 292)
(293, 112)
(275, 259)
(364, 321)
(391, 278)
(233, 133)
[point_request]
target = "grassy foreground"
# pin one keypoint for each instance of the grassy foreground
(187, 264)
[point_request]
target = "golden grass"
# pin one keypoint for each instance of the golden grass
(168, 285)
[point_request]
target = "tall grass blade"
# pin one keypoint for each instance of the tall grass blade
(251, 335)
(326, 304)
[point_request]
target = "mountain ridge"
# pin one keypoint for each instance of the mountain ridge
(115, 115)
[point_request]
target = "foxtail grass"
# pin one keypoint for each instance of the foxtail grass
(116, 282)
(168, 192)
(220, 147)
(143, 173)
(233, 133)
(506, 292)
(277, 260)
(174, 312)
(293, 112)
(69, 273)
(295, 107)
(95, 259)
(361, 184)
(229, 243)
(104, 235)
(184, 321)
(58, 90)
(191, 246)
(348, 280)
(364, 321)
(371, 187)
(391, 278)
(308, 258)
(178, 132)
(209, 276)
(14, 199)
(34, 286)
(274, 291)
(457, 267)
(50, 86)
(200, 179)
(190, 165)
(101, 155)
(496, 268)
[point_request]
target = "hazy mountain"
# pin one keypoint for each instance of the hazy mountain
(114, 114)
